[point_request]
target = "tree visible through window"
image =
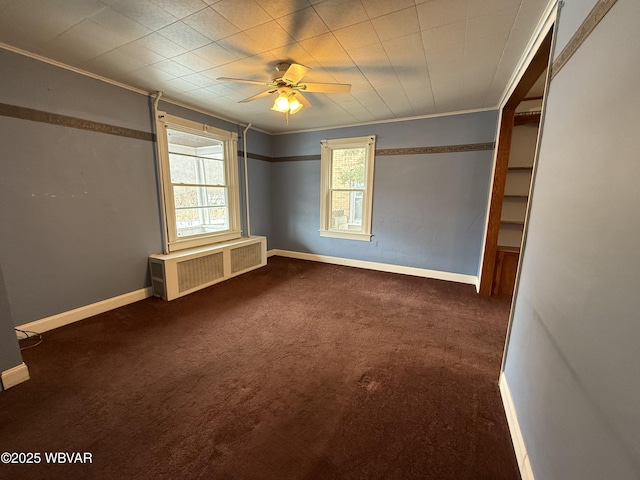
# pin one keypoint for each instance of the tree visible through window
(347, 176)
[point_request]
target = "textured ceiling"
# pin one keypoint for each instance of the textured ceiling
(403, 58)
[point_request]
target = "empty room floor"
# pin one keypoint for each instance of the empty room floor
(298, 370)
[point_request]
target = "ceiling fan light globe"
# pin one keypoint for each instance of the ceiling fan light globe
(294, 106)
(281, 104)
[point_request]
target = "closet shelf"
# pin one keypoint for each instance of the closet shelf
(506, 248)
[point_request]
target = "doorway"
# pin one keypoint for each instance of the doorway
(515, 152)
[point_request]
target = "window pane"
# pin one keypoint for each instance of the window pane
(347, 168)
(346, 211)
(194, 221)
(190, 170)
(213, 172)
(192, 141)
(187, 197)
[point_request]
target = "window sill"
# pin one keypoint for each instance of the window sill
(346, 235)
(203, 240)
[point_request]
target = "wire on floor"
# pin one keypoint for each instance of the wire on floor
(28, 336)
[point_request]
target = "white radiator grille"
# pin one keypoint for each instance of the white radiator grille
(179, 273)
(246, 257)
(197, 271)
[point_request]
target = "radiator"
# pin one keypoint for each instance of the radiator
(177, 274)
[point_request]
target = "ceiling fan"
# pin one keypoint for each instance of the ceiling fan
(286, 81)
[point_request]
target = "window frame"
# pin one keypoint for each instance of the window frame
(173, 242)
(326, 167)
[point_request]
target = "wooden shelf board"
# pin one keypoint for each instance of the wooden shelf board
(512, 222)
(506, 248)
(522, 169)
(517, 197)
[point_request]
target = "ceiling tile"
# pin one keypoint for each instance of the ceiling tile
(257, 67)
(339, 14)
(185, 36)
(280, 8)
(449, 54)
(172, 68)
(177, 85)
(406, 54)
(396, 100)
(145, 12)
(44, 20)
(293, 53)
(241, 45)
(211, 24)
(120, 24)
(487, 49)
(303, 24)
(358, 35)
(377, 8)
(493, 24)
(269, 36)
(326, 50)
(192, 61)
(150, 77)
(373, 103)
(352, 76)
(82, 42)
(216, 55)
(528, 11)
(484, 7)
(200, 80)
(182, 8)
(242, 13)
(139, 53)
(160, 45)
(436, 13)
(437, 38)
(112, 63)
(421, 99)
(375, 65)
(397, 24)
(221, 90)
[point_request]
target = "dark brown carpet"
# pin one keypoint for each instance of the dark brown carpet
(298, 370)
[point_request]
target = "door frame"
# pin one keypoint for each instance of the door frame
(532, 67)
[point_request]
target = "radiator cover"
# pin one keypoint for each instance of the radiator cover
(180, 273)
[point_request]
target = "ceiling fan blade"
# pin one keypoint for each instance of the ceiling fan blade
(294, 73)
(259, 95)
(325, 87)
(242, 80)
(303, 100)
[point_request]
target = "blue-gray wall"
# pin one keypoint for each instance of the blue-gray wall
(573, 352)
(80, 209)
(429, 210)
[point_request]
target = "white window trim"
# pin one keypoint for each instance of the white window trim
(230, 139)
(369, 142)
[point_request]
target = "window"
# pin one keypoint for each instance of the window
(347, 188)
(200, 182)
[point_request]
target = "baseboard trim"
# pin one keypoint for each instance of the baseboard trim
(14, 376)
(382, 267)
(71, 316)
(516, 434)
